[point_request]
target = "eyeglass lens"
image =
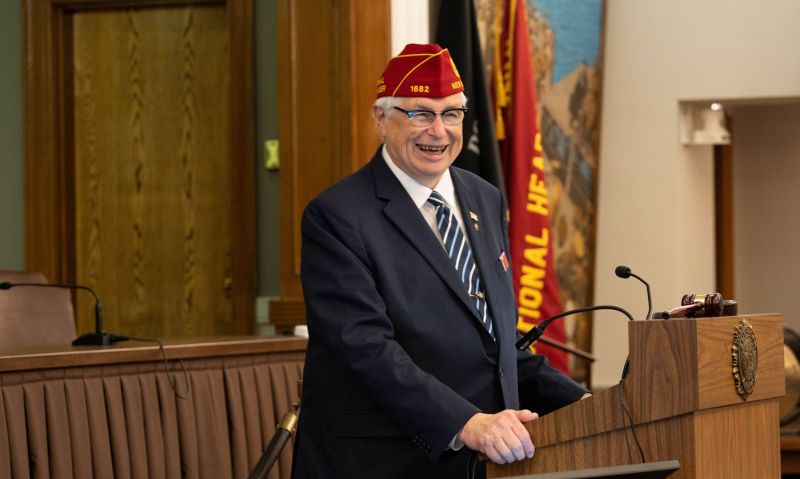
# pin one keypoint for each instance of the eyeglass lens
(426, 117)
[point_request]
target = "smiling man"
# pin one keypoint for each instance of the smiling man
(411, 366)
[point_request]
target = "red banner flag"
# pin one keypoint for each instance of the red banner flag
(531, 238)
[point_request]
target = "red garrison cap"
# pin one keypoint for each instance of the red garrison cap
(421, 71)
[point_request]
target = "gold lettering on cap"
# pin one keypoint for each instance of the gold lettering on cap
(456, 85)
(420, 88)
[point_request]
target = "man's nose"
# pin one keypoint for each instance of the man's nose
(437, 128)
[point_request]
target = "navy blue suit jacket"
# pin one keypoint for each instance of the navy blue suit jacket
(398, 359)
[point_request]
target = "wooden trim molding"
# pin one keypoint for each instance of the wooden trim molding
(47, 205)
(330, 55)
(244, 236)
(723, 218)
(44, 357)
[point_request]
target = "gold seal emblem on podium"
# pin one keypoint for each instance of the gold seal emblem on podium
(744, 358)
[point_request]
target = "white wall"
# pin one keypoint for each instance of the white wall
(766, 181)
(655, 197)
(410, 23)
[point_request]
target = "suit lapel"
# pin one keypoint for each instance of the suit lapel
(404, 214)
(472, 212)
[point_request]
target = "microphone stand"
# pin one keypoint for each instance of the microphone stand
(98, 337)
(536, 333)
(282, 434)
(525, 341)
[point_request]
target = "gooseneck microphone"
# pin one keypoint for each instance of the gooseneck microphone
(98, 337)
(525, 341)
(624, 272)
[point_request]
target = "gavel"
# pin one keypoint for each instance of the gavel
(700, 306)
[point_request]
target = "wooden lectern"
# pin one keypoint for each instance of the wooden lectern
(683, 398)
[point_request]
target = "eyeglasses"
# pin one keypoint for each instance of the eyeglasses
(450, 117)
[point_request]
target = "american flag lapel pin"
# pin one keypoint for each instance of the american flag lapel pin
(504, 260)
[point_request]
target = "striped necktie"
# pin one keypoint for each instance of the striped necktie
(457, 248)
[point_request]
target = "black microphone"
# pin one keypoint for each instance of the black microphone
(97, 338)
(624, 272)
(525, 341)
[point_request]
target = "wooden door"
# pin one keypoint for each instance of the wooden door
(152, 162)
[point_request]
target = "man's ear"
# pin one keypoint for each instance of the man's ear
(379, 117)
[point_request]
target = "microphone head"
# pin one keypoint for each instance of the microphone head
(623, 272)
(5, 285)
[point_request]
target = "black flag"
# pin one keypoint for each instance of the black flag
(458, 31)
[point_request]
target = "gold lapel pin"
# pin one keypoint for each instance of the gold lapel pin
(474, 218)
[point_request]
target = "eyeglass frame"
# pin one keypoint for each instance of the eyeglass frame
(411, 114)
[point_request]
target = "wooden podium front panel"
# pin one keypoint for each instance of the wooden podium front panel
(663, 369)
(683, 365)
(715, 377)
(738, 442)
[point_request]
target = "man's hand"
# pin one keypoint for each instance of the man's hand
(501, 437)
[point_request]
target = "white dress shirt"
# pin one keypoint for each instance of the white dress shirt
(420, 193)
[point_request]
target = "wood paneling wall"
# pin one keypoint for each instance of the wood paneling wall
(154, 188)
(140, 160)
(331, 55)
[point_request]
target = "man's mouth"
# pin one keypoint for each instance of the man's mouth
(432, 148)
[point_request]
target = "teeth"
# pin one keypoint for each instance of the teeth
(432, 149)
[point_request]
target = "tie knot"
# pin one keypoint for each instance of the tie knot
(436, 199)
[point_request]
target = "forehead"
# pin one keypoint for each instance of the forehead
(434, 104)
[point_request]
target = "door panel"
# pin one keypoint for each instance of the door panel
(151, 173)
(140, 160)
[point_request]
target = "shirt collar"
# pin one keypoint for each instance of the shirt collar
(420, 193)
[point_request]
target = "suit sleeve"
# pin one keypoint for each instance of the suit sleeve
(347, 314)
(542, 388)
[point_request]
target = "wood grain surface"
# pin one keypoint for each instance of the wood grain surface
(681, 396)
(140, 160)
(151, 142)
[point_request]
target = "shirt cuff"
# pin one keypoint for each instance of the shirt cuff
(455, 444)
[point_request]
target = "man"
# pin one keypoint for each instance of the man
(411, 365)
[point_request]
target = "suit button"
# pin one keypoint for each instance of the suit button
(501, 372)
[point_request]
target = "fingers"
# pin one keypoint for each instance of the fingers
(524, 439)
(502, 437)
(526, 416)
(514, 445)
